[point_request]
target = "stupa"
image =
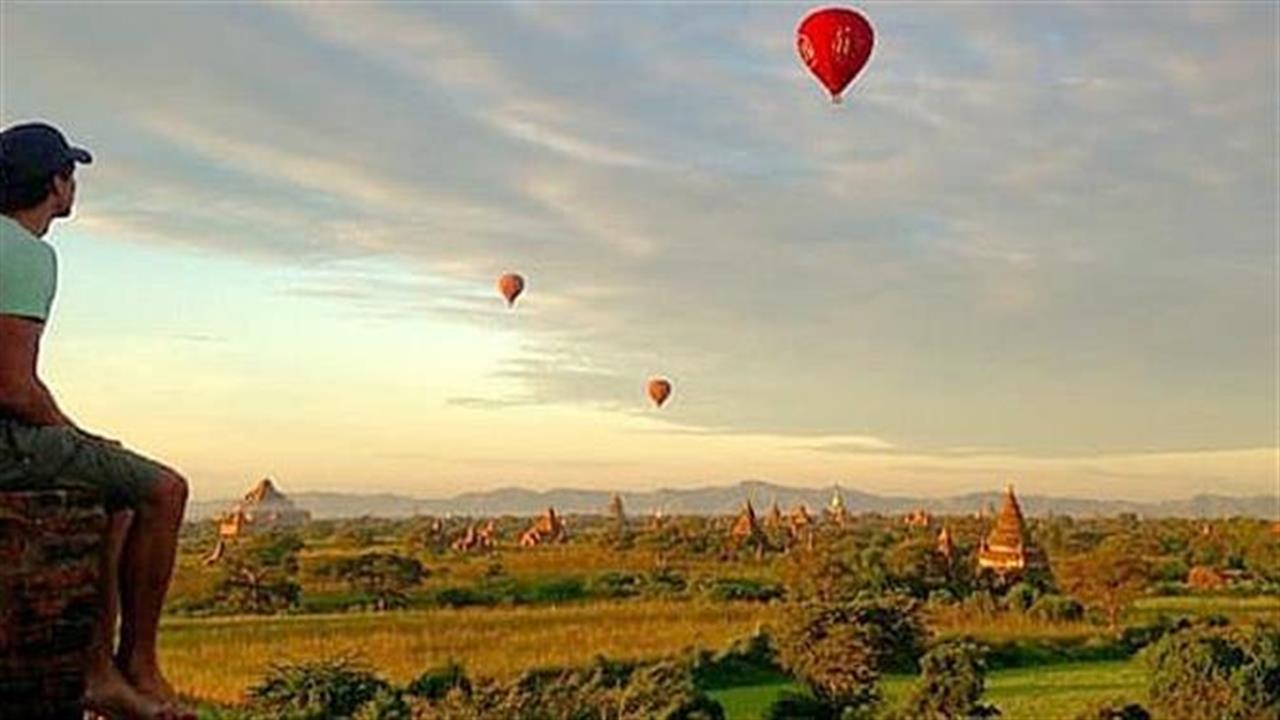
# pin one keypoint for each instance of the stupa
(548, 528)
(1007, 549)
(264, 507)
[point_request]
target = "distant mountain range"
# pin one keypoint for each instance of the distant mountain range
(728, 499)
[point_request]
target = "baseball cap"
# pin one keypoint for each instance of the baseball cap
(34, 151)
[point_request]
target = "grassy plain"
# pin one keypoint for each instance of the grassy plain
(219, 658)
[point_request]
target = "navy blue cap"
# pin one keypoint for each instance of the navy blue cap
(34, 151)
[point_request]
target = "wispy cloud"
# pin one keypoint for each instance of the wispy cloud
(1040, 228)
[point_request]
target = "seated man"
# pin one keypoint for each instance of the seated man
(42, 447)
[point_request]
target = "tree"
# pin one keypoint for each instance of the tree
(358, 533)
(916, 567)
(1218, 672)
(827, 648)
(259, 575)
(952, 679)
(316, 690)
(1109, 578)
(384, 577)
(839, 649)
(829, 575)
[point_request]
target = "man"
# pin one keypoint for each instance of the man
(41, 447)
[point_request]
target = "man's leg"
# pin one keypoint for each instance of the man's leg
(106, 690)
(146, 567)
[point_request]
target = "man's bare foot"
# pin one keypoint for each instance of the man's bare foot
(107, 693)
(150, 683)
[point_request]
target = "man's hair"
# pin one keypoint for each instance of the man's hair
(26, 195)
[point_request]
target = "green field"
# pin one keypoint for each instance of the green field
(1045, 693)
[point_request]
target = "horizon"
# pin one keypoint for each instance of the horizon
(843, 488)
(1003, 256)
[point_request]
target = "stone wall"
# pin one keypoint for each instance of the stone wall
(50, 544)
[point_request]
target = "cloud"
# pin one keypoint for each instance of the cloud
(1039, 229)
(478, 403)
(854, 445)
(200, 338)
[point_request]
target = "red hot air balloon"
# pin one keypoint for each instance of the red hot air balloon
(511, 285)
(659, 391)
(835, 43)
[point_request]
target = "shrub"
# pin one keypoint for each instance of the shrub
(1020, 597)
(547, 592)
(793, 706)
(1227, 673)
(1044, 651)
(1166, 588)
(436, 683)
(605, 690)
(1056, 608)
(742, 589)
(1171, 571)
(952, 679)
(746, 661)
(980, 602)
(459, 597)
(665, 582)
(386, 705)
(942, 597)
(1114, 710)
(616, 585)
(316, 690)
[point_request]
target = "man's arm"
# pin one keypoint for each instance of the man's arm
(22, 396)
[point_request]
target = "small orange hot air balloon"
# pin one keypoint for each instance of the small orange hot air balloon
(659, 391)
(511, 285)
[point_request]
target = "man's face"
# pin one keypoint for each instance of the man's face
(64, 194)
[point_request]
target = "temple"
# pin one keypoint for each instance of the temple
(917, 518)
(773, 521)
(262, 508)
(836, 512)
(946, 546)
(477, 537)
(746, 530)
(1007, 549)
(549, 528)
(616, 510)
(800, 527)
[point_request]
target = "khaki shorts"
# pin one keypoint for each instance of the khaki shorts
(44, 457)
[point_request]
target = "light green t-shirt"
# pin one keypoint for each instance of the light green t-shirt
(28, 272)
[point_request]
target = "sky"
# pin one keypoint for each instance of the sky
(1037, 244)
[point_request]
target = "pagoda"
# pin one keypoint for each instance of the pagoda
(1007, 549)
(917, 518)
(773, 521)
(946, 546)
(746, 530)
(264, 507)
(836, 512)
(616, 511)
(549, 528)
